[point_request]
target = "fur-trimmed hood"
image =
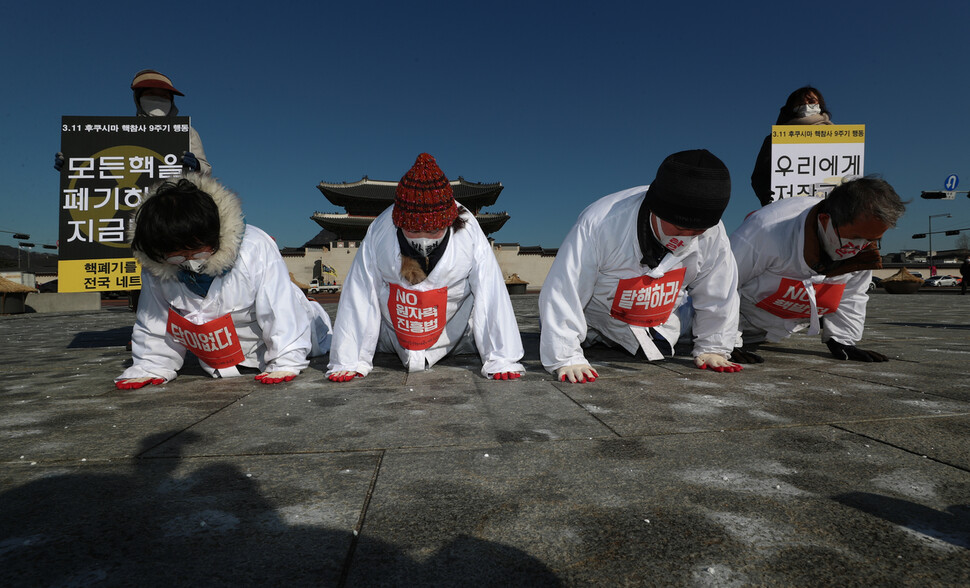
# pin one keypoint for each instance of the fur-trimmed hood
(232, 227)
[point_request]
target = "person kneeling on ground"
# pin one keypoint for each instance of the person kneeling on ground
(642, 268)
(425, 283)
(801, 259)
(216, 286)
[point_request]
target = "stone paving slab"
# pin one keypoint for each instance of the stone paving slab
(785, 507)
(926, 373)
(285, 520)
(108, 425)
(818, 478)
(943, 439)
(317, 416)
(659, 402)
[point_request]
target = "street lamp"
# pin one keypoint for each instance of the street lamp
(930, 235)
(28, 246)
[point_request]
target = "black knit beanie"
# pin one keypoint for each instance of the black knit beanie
(691, 191)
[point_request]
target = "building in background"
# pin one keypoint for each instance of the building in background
(336, 245)
(365, 199)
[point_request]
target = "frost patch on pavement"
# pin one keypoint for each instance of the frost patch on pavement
(909, 483)
(696, 409)
(741, 482)
(933, 405)
(767, 416)
(717, 575)
(755, 532)
(15, 543)
(703, 384)
(311, 514)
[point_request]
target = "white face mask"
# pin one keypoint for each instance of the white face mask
(676, 244)
(807, 110)
(193, 264)
(155, 105)
(425, 246)
(837, 247)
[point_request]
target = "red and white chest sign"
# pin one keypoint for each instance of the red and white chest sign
(418, 317)
(647, 302)
(791, 301)
(214, 342)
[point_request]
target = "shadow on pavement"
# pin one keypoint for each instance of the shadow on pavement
(210, 526)
(111, 338)
(952, 526)
(821, 352)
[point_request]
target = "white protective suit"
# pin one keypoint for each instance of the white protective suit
(277, 326)
(479, 311)
(769, 247)
(602, 249)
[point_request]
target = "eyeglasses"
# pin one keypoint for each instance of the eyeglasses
(860, 242)
(178, 259)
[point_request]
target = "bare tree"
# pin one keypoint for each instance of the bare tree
(963, 241)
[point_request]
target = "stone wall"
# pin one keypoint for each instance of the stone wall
(530, 267)
(63, 301)
(339, 258)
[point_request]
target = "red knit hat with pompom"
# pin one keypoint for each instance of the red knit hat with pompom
(423, 201)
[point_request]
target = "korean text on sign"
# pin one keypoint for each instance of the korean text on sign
(214, 342)
(418, 317)
(110, 162)
(647, 302)
(812, 160)
(791, 300)
(99, 275)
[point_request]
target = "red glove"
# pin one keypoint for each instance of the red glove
(506, 376)
(724, 368)
(344, 376)
(274, 377)
(135, 383)
(577, 374)
(716, 362)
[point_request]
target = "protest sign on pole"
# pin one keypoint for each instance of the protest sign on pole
(810, 160)
(109, 162)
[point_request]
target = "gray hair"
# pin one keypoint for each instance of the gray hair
(868, 197)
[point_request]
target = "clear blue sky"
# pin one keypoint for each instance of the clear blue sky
(561, 102)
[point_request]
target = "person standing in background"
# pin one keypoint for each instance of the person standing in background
(805, 106)
(965, 272)
(154, 96)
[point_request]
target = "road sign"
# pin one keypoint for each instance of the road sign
(937, 195)
(951, 182)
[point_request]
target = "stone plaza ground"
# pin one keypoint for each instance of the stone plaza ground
(801, 471)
